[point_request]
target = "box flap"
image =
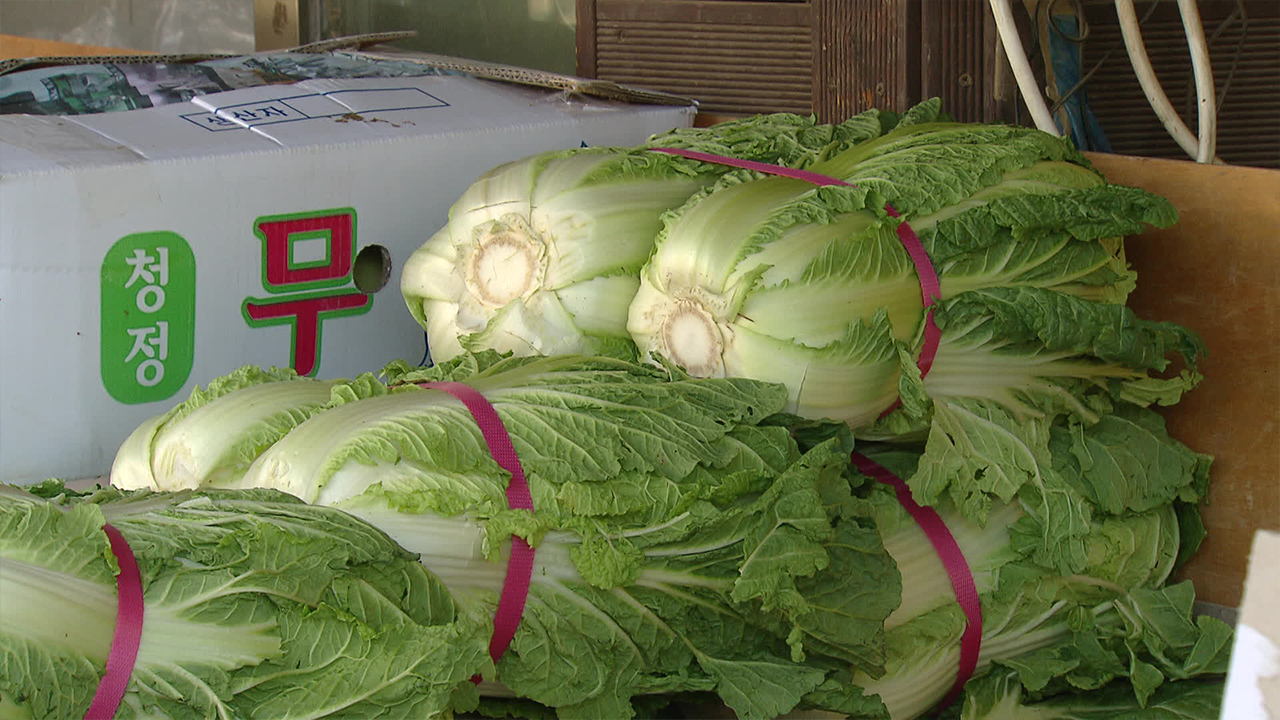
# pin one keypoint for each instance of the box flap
(375, 43)
(239, 105)
(311, 113)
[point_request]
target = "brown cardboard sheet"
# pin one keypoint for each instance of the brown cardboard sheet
(18, 46)
(1217, 271)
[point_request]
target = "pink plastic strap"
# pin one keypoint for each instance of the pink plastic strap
(952, 560)
(128, 632)
(930, 286)
(515, 589)
(930, 289)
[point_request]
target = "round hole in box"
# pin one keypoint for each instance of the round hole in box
(372, 269)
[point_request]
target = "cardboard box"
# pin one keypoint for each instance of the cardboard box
(145, 252)
(1217, 271)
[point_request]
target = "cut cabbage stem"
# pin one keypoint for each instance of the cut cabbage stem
(692, 339)
(507, 264)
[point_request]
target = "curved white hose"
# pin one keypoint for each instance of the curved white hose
(1147, 78)
(1017, 55)
(1206, 100)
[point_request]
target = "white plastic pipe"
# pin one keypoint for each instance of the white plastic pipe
(1017, 55)
(1206, 95)
(1147, 78)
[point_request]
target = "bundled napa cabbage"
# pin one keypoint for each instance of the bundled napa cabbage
(681, 545)
(778, 279)
(541, 256)
(1071, 574)
(687, 542)
(256, 606)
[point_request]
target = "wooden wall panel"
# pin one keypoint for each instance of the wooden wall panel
(733, 57)
(957, 58)
(834, 58)
(867, 54)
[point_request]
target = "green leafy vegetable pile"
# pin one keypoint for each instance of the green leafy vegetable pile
(542, 256)
(257, 606)
(684, 356)
(777, 279)
(692, 540)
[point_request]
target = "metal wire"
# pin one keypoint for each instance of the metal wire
(1048, 18)
(1239, 51)
(1098, 65)
(1188, 95)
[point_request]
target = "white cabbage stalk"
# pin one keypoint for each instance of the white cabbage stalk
(923, 640)
(540, 256)
(210, 440)
(303, 463)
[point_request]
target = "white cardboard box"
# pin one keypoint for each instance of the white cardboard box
(1253, 682)
(145, 252)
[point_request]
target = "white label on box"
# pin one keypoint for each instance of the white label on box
(312, 106)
